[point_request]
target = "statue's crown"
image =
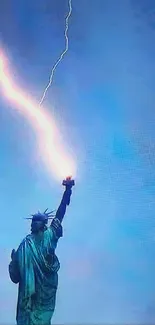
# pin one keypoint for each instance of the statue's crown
(42, 216)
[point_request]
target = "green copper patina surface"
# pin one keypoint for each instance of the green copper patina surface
(34, 267)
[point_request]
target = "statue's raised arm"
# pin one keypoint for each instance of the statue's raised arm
(56, 222)
(68, 183)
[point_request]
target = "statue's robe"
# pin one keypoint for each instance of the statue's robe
(35, 267)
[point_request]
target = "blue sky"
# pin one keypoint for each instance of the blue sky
(103, 100)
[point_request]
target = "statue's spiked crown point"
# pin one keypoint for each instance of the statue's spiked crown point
(42, 216)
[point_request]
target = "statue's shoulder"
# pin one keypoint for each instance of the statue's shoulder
(27, 239)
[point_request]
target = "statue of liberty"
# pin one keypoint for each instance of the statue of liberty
(34, 266)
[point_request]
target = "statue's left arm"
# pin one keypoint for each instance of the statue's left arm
(14, 268)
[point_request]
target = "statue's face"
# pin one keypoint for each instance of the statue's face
(37, 226)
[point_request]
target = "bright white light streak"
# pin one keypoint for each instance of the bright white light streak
(56, 161)
(63, 53)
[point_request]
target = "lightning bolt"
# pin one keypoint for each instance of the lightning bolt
(62, 55)
(53, 155)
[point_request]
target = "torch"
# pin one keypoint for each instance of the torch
(68, 182)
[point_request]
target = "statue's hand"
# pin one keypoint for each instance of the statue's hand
(13, 254)
(68, 183)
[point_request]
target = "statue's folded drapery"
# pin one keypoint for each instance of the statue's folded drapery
(34, 266)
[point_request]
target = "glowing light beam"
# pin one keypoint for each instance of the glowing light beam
(56, 161)
(63, 53)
